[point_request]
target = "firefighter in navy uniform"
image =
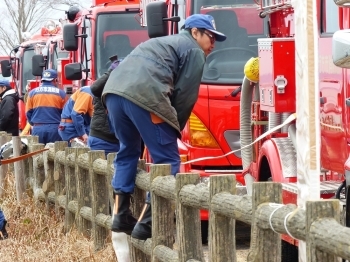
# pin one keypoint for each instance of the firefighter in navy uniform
(76, 116)
(150, 96)
(44, 106)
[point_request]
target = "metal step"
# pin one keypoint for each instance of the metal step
(265, 4)
(326, 187)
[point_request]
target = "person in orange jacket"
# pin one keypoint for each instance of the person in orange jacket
(76, 116)
(44, 106)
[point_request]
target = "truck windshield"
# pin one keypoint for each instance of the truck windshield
(57, 55)
(26, 69)
(117, 34)
(239, 21)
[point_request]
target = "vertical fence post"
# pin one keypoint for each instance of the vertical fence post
(222, 241)
(314, 211)
(58, 181)
(162, 212)
(268, 243)
(71, 187)
(29, 161)
(19, 169)
(188, 227)
(110, 173)
(100, 199)
(139, 197)
(47, 184)
(3, 168)
(84, 189)
(38, 172)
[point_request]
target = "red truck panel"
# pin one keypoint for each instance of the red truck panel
(277, 66)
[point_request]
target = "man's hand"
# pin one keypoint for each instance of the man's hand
(84, 138)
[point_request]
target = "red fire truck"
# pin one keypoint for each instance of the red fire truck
(108, 28)
(268, 103)
(20, 63)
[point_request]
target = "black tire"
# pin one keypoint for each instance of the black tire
(289, 252)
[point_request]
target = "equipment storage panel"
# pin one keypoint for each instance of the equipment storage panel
(277, 74)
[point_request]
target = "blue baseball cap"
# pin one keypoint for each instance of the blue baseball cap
(49, 75)
(204, 21)
(4, 82)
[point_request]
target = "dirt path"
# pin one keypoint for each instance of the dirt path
(242, 242)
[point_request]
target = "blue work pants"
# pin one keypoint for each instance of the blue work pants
(47, 133)
(96, 143)
(130, 122)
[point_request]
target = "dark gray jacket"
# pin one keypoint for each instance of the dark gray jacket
(9, 114)
(99, 126)
(161, 75)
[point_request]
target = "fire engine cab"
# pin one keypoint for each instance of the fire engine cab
(266, 131)
(95, 35)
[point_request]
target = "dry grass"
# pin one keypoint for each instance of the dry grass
(37, 235)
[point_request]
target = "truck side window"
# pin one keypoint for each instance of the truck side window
(329, 17)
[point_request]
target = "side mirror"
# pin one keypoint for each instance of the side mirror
(5, 68)
(70, 37)
(73, 71)
(342, 3)
(341, 48)
(38, 64)
(155, 14)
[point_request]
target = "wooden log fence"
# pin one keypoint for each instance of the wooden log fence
(77, 181)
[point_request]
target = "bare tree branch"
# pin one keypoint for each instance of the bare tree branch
(19, 16)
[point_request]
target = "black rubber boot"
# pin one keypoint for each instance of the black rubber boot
(3, 234)
(123, 221)
(143, 228)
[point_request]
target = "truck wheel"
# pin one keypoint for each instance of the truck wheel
(289, 252)
(204, 230)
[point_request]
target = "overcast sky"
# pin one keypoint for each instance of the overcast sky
(54, 15)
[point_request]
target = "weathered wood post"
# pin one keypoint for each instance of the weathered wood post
(162, 212)
(3, 168)
(267, 247)
(38, 172)
(139, 197)
(19, 169)
(47, 185)
(110, 173)
(188, 227)
(316, 210)
(84, 189)
(71, 188)
(100, 199)
(57, 182)
(222, 241)
(29, 161)
(139, 194)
